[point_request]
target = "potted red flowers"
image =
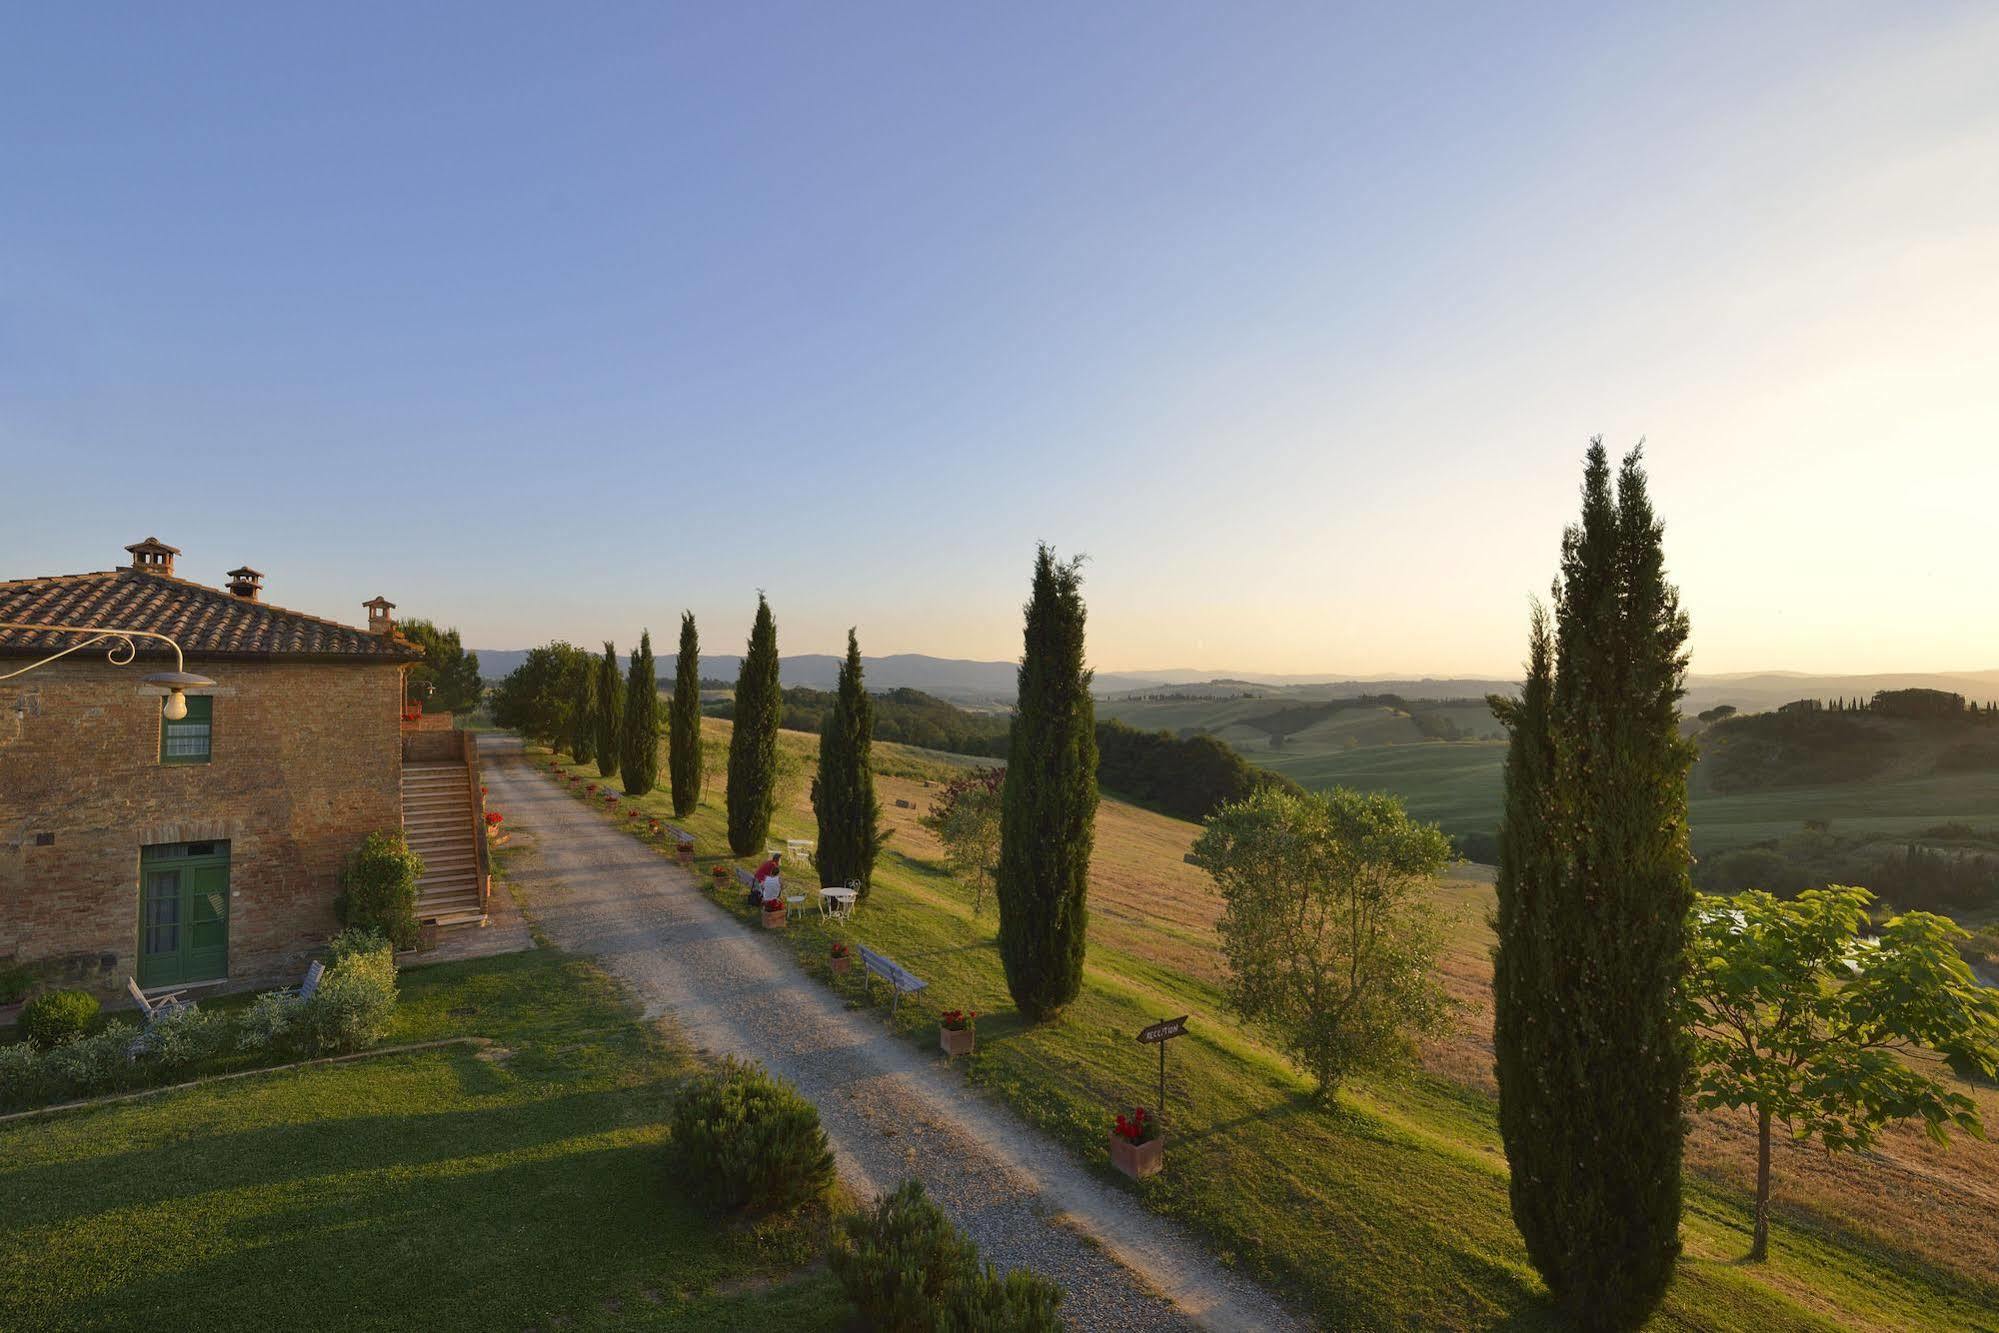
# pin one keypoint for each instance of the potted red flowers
(842, 960)
(721, 875)
(1137, 1147)
(684, 849)
(955, 1031)
(774, 914)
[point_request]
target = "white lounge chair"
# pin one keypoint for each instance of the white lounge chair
(157, 1005)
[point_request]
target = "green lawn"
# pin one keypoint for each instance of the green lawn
(515, 1187)
(1389, 1210)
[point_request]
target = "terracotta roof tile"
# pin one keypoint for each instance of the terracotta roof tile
(206, 622)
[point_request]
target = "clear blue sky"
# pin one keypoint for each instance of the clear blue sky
(551, 321)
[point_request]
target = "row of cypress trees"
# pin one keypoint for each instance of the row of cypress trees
(624, 737)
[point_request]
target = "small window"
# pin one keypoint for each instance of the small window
(186, 741)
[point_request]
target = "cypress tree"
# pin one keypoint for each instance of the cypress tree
(638, 753)
(1593, 897)
(683, 742)
(752, 788)
(583, 714)
(843, 792)
(1048, 806)
(610, 716)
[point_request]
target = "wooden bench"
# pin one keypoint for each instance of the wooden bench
(681, 838)
(880, 965)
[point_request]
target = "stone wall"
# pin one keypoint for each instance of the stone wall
(306, 761)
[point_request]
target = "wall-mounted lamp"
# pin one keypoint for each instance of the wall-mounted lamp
(120, 653)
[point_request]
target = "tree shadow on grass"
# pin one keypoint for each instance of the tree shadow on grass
(321, 1143)
(520, 1243)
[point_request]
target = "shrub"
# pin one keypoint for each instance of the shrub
(182, 1036)
(268, 1021)
(90, 1065)
(23, 1076)
(378, 888)
(995, 1302)
(57, 1016)
(907, 1269)
(901, 1261)
(743, 1139)
(16, 980)
(355, 1000)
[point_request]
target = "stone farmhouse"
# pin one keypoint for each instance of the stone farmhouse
(207, 848)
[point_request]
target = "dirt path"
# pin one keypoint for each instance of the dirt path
(890, 1110)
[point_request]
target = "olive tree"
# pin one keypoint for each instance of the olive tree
(966, 819)
(1330, 936)
(1817, 1021)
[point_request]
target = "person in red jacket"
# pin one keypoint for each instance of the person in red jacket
(765, 885)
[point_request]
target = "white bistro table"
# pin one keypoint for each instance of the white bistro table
(837, 901)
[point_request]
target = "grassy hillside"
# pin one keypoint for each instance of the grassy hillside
(1760, 777)
(1390, 1209)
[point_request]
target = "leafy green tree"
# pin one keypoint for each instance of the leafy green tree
(1049, 804)
(966, 819)
(610, 713)
(752, 790)
(583, 717)
(683, 743)
(638, 756)
(1806, 1015)
(538, 697)
(447, 680)
(1593, 895)
(1327, 925)
(843, 792)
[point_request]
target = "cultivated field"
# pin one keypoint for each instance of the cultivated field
(1458, 784)
(1390, 1207)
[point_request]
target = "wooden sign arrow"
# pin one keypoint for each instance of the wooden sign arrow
(1164, 1030)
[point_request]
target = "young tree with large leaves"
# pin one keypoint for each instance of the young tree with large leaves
(447, 680)
(1807, 1015)
(683, 741)
(1328, 927)
(638, 742)
(1593, 899)
(1049, 805)
(966, 819)
(843, 791)
(610, 711)
(752, 789)
(583, 716)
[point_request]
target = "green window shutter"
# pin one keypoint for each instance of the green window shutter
(187, 741)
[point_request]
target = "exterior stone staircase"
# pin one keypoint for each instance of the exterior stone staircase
(442, 822)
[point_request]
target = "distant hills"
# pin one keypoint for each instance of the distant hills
(991, 684)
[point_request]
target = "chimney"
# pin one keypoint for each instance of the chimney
(379, 619)
(153, 556)
(246, 583)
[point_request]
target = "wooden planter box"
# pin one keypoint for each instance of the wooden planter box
(773, 920)
(955, 1043)
(1138, 1160)
(841, 962)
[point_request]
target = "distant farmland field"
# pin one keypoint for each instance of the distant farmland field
(1459, 784)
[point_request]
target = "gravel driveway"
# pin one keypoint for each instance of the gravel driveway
(891, 1111)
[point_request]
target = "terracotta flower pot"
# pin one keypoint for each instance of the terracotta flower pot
(841, 962)
(774, 920)
(1138, 1160)
(685, 851)
(956, 1043)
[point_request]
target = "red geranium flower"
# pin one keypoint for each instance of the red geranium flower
(494, 816)
(1137, 1127)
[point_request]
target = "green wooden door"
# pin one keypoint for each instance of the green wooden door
(183, 913)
